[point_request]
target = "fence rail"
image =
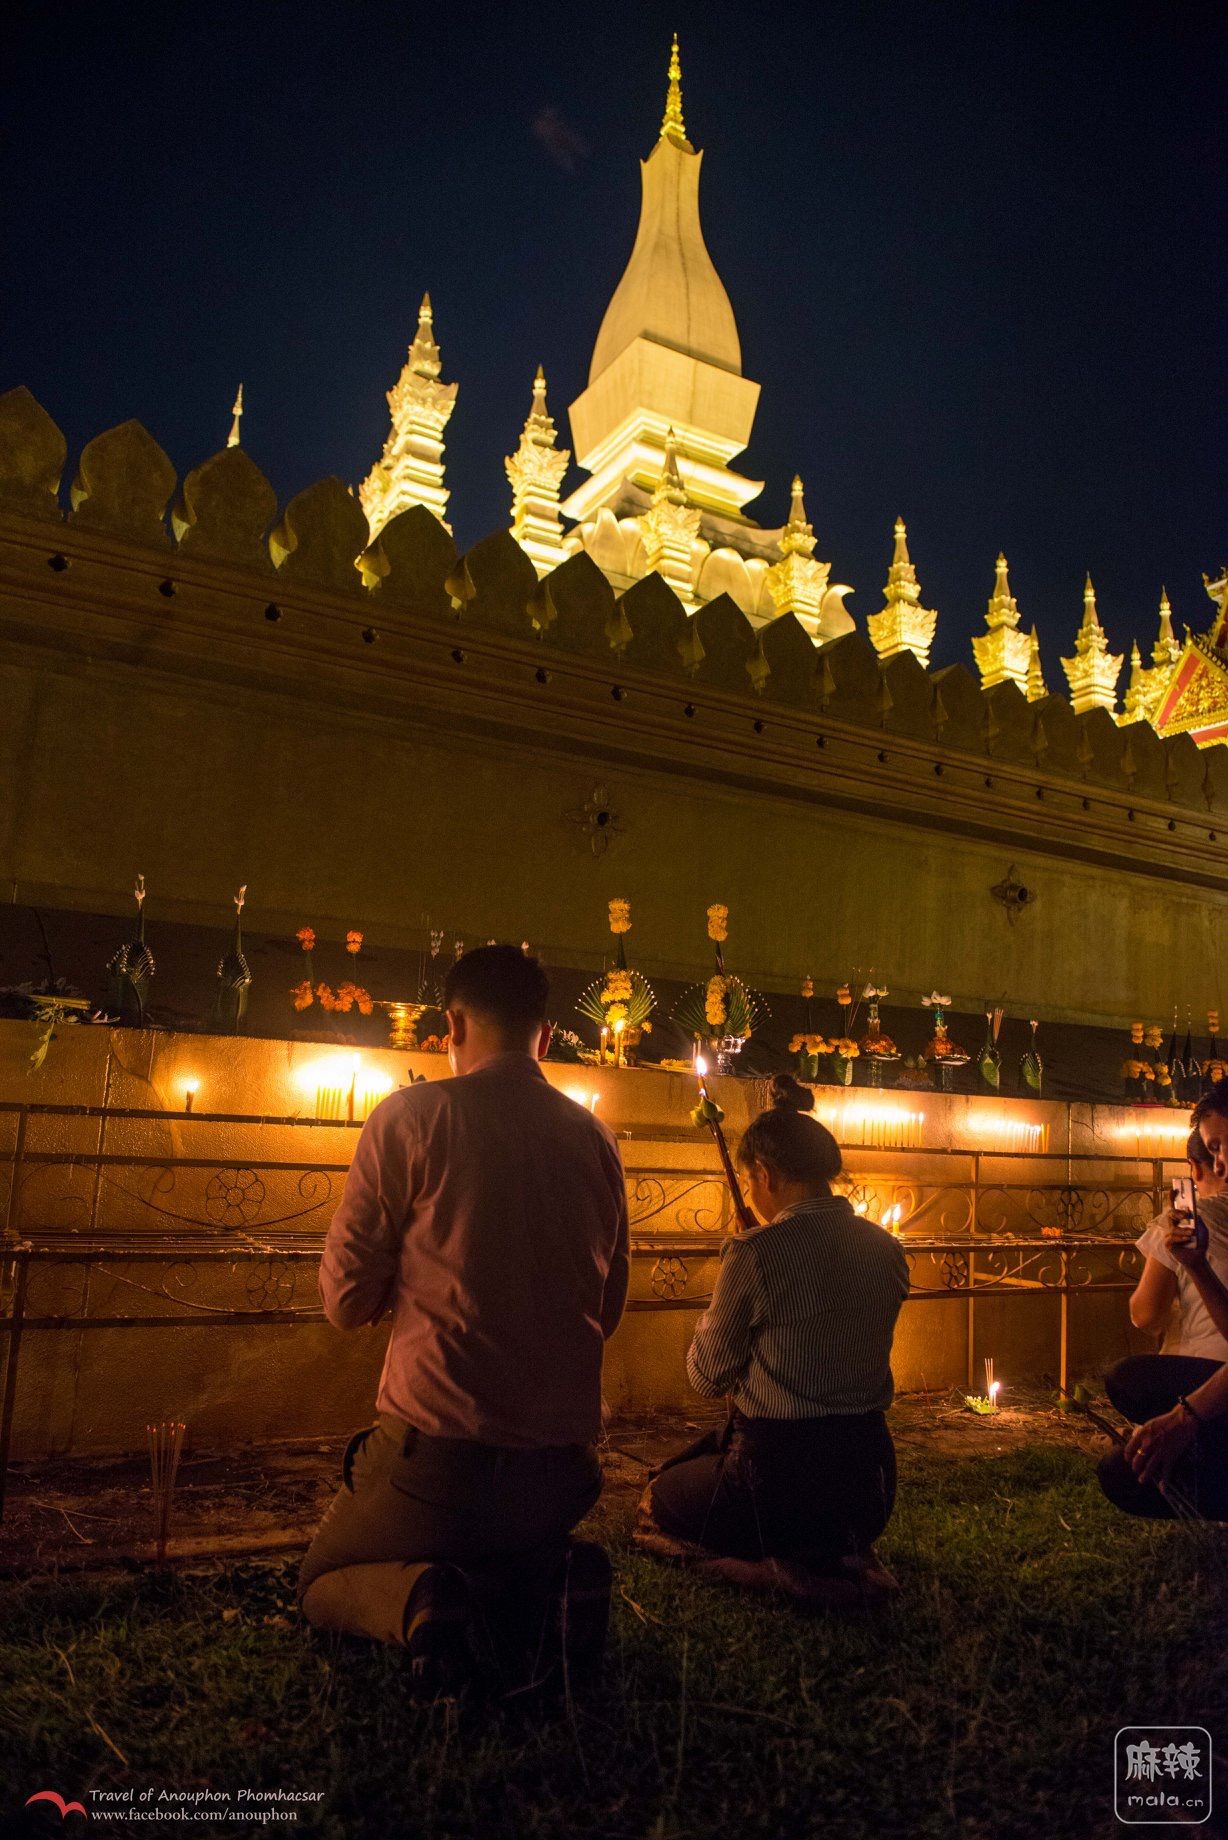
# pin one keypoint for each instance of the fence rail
(236, 1239)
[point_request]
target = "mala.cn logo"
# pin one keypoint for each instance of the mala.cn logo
(1162, 1774)
(44, 1800)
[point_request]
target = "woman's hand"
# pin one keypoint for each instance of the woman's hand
(1153, 1449)
(1179, 1238)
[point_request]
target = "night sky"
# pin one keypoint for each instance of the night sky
(976, 253)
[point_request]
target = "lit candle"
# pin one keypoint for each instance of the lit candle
(190, 1090)
(992, 1387)
(605, 1037)
(619, 1026)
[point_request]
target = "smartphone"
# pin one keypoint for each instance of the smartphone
(1185, 1207)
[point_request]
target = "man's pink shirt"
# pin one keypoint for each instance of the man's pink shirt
(489, 1212)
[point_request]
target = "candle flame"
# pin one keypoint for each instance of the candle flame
(701, 1066)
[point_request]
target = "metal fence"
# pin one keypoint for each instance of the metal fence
(107, 1234)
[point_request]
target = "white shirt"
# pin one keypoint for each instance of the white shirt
(1198, 1334)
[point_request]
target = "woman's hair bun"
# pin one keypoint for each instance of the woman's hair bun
(789, 1095)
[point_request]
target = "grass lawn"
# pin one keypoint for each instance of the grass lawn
(1034, 1621)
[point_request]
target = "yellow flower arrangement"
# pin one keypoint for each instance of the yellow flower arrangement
(615, 1012)
(302, 995)
(716, 1008)
(617, 986)
(1213, 1021)
(1136, 1034)
(807, 987)
(844, 996)
(809, 1044)
(1154, 1037)
(353, 941)
(620, 916)
(1215, 1069)
(845, 1048)
(718, 922)
(306, 938)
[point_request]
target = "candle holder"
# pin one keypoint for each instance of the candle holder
(403, 1020)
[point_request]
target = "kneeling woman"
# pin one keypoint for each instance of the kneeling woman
(798, 1332)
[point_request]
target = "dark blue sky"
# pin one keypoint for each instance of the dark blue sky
(976, 252)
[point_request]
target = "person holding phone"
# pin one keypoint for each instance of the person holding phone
(1173, 1270)
(1178, 1400)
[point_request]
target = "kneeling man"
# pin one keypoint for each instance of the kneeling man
(488, 1213)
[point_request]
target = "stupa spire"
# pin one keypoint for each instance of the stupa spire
(1134, 708)
(535, 472)
(1093, 671)
(410, 470)
(1036, 687)
(667, 354)
(1002, 653)
(903, 625)
(1166, 650)
(232, 440)
(672, 126)
(670, 527)
(797, 583)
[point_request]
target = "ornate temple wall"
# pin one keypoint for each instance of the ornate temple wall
(177, 1254)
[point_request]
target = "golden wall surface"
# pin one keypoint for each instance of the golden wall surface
(368, 732)
(218, 1322)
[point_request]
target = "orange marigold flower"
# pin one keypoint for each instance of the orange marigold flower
(302, 995)
(1136, 1033)
(306, 938)
(326, 998)
(353, 942)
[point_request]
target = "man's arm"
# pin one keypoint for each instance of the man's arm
(724, 1335)
(1154, 1448)
(362, 1250)
(618, 1278)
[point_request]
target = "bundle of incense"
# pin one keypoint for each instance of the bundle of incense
(165, 1444)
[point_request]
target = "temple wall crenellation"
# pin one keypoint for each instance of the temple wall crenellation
(225, 512)
(200, 686)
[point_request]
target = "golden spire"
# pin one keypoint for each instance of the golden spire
(672, 127)
(903, 625)
(237, 413)
(1093, 671)
(411, 470)
(798, 538)
(535, 472)
(1090, 616)
(670, 528)
(797, 583)
(1166, 650)
(1002, 653)
(670, 486)
(1036, 688)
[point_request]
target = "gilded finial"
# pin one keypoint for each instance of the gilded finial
(901, 541)
(672, 127)
(1090, 616)
(1036, 677)
(237, 413)
(671, 479)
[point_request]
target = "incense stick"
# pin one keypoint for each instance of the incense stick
(165, 1444)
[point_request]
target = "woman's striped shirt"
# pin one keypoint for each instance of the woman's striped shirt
(802, 1315)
